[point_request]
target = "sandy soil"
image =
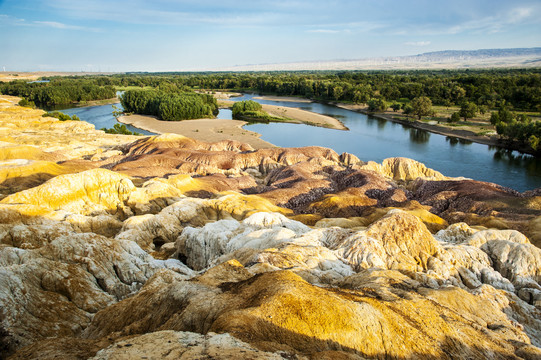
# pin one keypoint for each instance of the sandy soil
(210, 130)
(17, 75)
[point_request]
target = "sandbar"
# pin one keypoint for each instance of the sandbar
(299, 116)
(213, 130)
(210, 130)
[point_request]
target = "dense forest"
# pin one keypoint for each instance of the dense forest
(59, 91)
(169, 106)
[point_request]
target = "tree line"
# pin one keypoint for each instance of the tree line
(58, 91)
(169, 106)
(519, 88)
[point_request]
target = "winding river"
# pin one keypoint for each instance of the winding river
(376, 139)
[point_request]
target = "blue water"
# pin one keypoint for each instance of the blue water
(101, 116)
(376, 139)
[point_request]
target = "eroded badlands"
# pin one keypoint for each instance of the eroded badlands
(115, 247)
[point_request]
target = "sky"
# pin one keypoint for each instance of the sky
(187, 35)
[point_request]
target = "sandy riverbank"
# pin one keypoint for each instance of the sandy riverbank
(210, 130)
(299, 116)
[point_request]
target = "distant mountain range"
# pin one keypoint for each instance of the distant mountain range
(447, 59)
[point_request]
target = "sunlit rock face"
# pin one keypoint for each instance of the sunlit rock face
(167, 247)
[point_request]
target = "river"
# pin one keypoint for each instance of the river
(376, 139)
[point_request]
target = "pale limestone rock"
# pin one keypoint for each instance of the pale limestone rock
(403, 169)
(475, 264)
(481, 237)
(362, 252)
(102, 155)
(153, 196)
(53, 290)
(407, 242)
(518, 262)
(270, 220)
(455, 233)
(104, 224)
(32, 236)
(203, 246)
(396, 241)
(339, 222)
(181, 345)
(349, 159)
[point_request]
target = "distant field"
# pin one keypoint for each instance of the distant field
(17, 75)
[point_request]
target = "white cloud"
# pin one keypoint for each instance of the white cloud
(12, 21)
(417, 43)
(57, 25)
(324, 31)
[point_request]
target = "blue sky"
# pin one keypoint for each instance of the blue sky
(173, 35)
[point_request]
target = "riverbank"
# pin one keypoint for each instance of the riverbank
(284, 98)
(493, 140)
(209, 130)
(299, 116)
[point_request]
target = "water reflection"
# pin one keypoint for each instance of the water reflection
(381, 124)
(419, 136)
(454, 141)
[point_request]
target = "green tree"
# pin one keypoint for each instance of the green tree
(377, 104)
(241, 107)
(503, 115)
(455, 117)
(407, 109)
(534, 142)
(26, 103)
(421, 106)
(468, 110)
(396, 107)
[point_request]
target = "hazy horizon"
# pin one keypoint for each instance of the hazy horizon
(167, 35)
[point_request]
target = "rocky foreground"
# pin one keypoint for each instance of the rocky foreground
(117, 247)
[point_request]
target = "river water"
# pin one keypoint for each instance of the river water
(376, 139)
(101, 116)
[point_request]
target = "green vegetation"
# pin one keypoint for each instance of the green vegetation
(421, 106)
(521, 88)
(252, 111)
(60, 91)
(120, 129)
(61, 116)
(377, 104)
(244, 107)
(468, 110)
(26, 103)
(455, 117)
(517, 127)
(169, 106)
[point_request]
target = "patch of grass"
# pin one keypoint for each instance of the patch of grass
(60, 116)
